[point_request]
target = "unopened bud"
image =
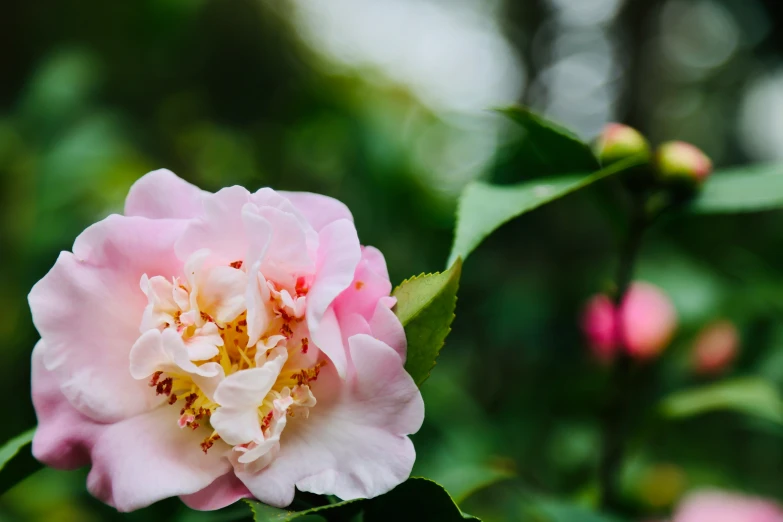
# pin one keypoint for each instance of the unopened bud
(599, 327)
(648, 323)
(682, 166)
(715, 348)
(618, 142)
(649, 320)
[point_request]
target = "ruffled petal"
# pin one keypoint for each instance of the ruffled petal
(162, 194)
(222, 293)
(141, 460)
(370, 283)
(219, 228)
(87, 346)
(64, 436)
(330, 340)
(354, 443)
(386, 327)
(318, 209)
(223, 492)
(338, 255)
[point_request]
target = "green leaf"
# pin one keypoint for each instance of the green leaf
(425, 307)
(548, 148)
(484, 207)
(12, 447)
(742, 189)
(749, 395)
(414, 499)
(344, 510)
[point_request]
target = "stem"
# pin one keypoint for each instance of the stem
(615, 418)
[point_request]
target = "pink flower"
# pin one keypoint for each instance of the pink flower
(221, 346)
(648, 323)
(717, 506)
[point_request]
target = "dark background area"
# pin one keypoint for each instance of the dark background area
(383, 105)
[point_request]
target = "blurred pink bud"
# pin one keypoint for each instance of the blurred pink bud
(648, 323)
(598, 324)
(682, 164)
(719, 506)
(649, 320)
(618, 142)
(715, 348)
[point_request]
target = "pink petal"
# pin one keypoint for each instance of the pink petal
(370, 283)
(161, 194)
(354, 443)
(64, 436)
(89, 306)
(223, 492)
(386, 327)
(330, 340)
(287, 253)
(141, 460)
(318, 209)
(220, 227)
(338, 255)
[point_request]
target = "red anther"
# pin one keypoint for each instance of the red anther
(359, 285)
(267, 421)
(155, 377)
(305, 344)
(172, 398)
(193, 425)
(164, 387)
(301, 286)
(286, 331)
(190, 399)
(236, 264)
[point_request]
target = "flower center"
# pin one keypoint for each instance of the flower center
(209, 370)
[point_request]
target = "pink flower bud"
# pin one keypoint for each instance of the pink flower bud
(649, 320)
(618, 142)
(680, 163)
(715, 348)
(598, 324)
(648, 323)
(719, 506)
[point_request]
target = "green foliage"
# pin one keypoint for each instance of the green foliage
(425, 306)
(742, 189)
(484, 207)
(749, 395)
(12, 447)
(414, 499)
(549, 510)
(549, 148)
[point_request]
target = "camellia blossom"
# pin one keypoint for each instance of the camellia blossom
(222, 346)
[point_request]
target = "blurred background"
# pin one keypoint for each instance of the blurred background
(384, 105)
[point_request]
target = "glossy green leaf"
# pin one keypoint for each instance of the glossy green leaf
(341, 510)
(484, 207)
(414, 499)
(425, 306)
(548, 148)
(748, 395)
(743, 189)
(12, 447)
